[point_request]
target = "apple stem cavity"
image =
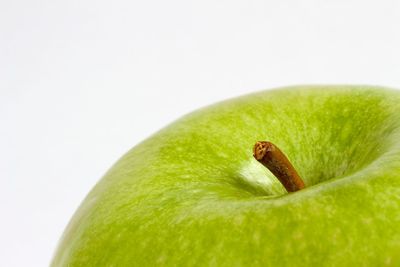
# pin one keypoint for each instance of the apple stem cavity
(273, 158)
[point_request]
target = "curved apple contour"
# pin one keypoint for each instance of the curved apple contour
(192, 194)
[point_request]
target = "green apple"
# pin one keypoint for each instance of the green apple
(193, 194)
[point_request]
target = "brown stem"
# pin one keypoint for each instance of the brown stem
(272, 157)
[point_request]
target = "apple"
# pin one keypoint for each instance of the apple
(194, 195)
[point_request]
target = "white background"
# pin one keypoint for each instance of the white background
(81, 82)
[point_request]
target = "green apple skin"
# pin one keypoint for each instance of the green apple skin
(193, 195)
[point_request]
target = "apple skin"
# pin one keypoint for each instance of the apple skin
(193, 195)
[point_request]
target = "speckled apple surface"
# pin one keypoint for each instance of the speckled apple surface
(193, 195)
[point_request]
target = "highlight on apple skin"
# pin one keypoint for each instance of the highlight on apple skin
(192, 194)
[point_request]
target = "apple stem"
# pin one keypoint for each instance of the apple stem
(273, 158)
